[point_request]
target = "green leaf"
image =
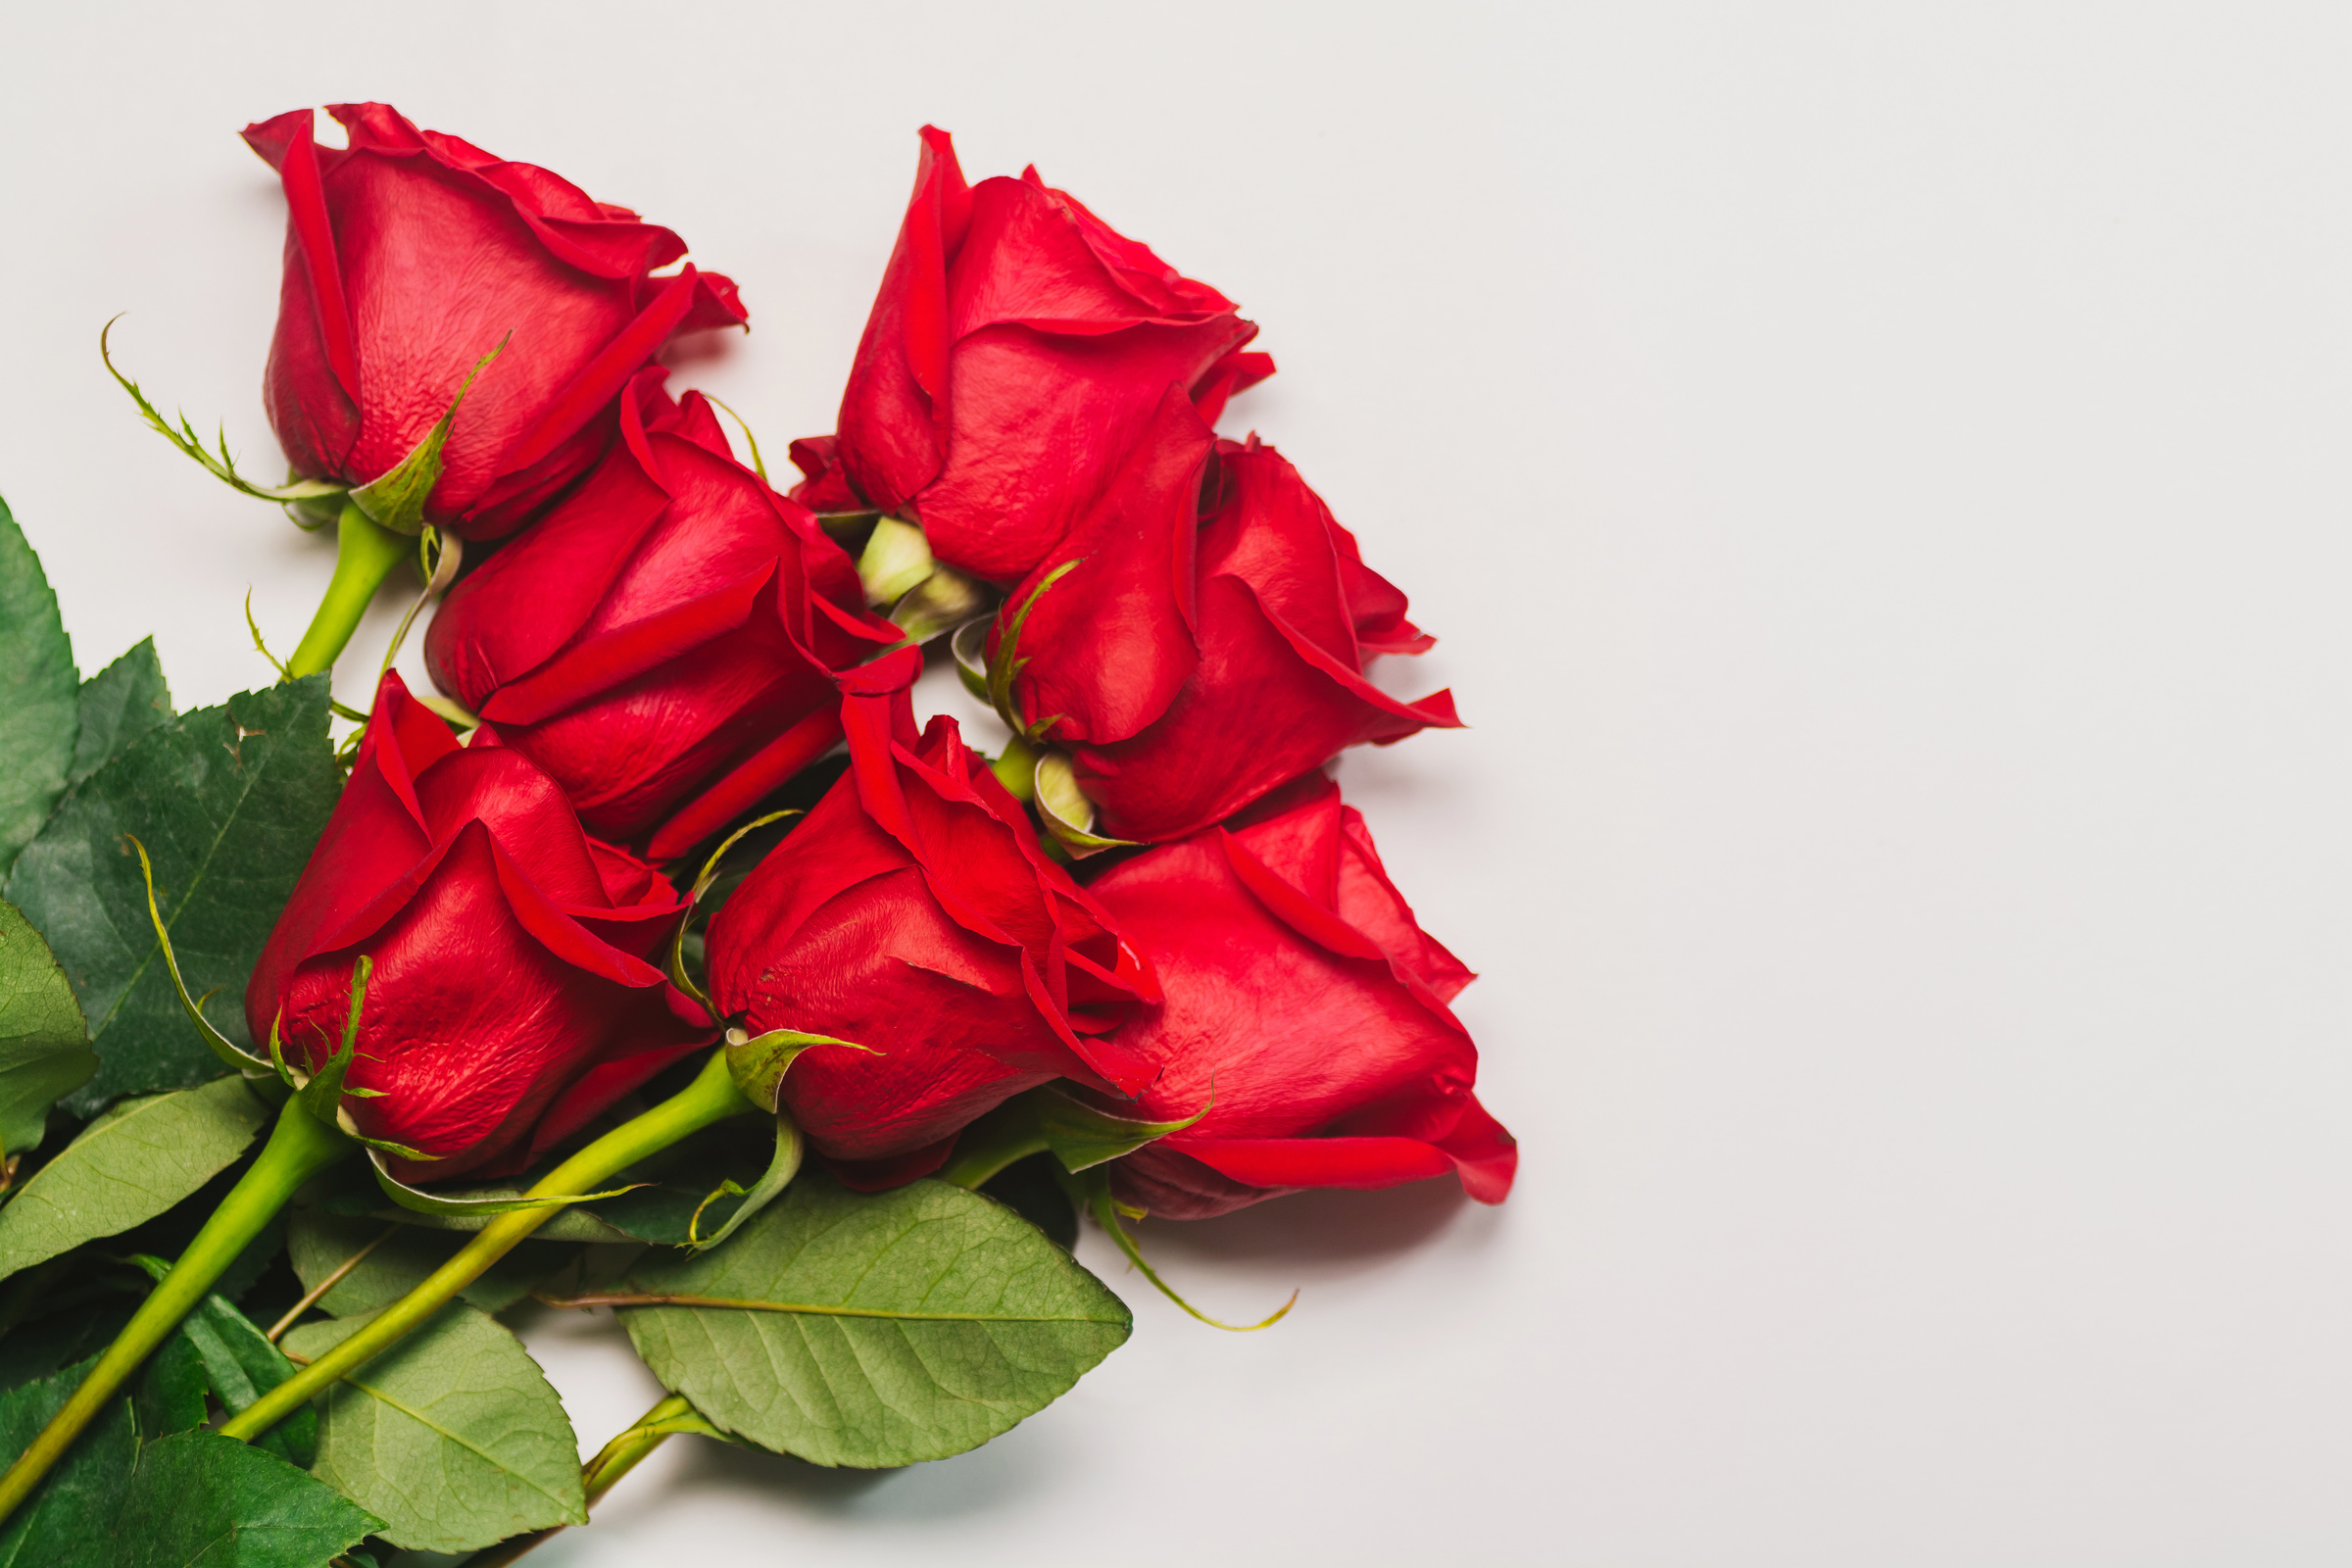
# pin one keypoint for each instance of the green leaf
(230, 801)
(191, 1500)
(874, 1330)
(38, 1349)
(74, 1507)
(203, 1501)
(240, 1365)
(37, 704)
(453, 1435)
(216, 1348)
(120, 704)
(320, 1244)
(45, 1050)
(172, 1388)
(130, 1166)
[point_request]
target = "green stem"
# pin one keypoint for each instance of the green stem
(365, 555)
(622, 1455)
(300, 1146)
(597, 1477)
(711, 1097)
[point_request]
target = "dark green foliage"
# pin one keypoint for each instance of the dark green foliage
(230, 801)
(43, 1048)
(39, 706)
(120, 704)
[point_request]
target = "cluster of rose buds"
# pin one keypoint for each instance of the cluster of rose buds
(1146, 940)
(1181, 641)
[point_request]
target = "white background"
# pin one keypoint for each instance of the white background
(1878, 474)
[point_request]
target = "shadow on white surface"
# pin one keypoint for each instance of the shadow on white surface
(1326, 1233)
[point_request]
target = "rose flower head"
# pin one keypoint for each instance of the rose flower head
(1016, 347)
(409, 256)
(914, 915)
(511, 992)
(665, 642)
(1201, 635)
(1304, 1008)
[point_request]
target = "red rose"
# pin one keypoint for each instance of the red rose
(512, 996)
(1191, 663)
(914, 914)
(1306, 1008)
(669, 632)
(413, 254)
(1016, 347)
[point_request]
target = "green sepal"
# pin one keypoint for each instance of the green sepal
(223, 1047)
(967, 645)
(924, 595)
(845, 528)
(750, 440)
(1082, 1137)
(1008, 664)
(395, 499)
(896, 557)
(322, 1092)
(261, 647)
(1045, 1121)
(1096, 1189)
(760, 1061)
(702, 885)
(424, 1203)
(781, 1169)
(1067, 812)
(222, 468)
(1015, 768)
(940, 601)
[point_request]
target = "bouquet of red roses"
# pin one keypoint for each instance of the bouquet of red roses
(661, 961)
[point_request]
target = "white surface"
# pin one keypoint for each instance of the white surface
(1878, 476)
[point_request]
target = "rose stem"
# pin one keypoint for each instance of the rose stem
(621, 1455)
(364, 556)
(713, 1096)
(612, 1461)
(299, 1147)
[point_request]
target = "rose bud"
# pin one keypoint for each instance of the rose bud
(409, 256)
(1016, 347)
(914, 914)
(512, 993)
(664, 643)
(1189, 665)
(1304, 1010)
